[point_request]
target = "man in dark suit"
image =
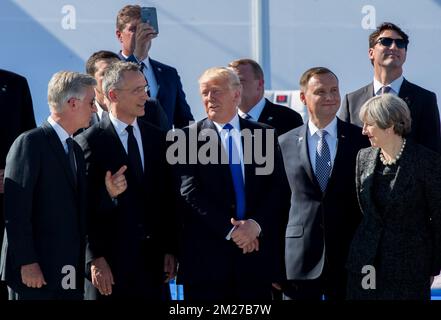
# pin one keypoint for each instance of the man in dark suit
(319, 160)
(232, 245)
(131, 235)
(16, 108)
(136, 37)
(253, 105)
(387, 52)
(45, 198)
(96, 65)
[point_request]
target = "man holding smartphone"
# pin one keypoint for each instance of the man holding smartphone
(164, 82)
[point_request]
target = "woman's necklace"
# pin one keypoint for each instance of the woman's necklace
(397, 157)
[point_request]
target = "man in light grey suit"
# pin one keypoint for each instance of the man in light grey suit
(387, 52)
(319, 160)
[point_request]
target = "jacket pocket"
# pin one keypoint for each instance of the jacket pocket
(294, 231)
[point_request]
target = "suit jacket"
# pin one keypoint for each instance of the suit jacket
(134, 234)
(16, 110)
(404, 241)
(171, 96)
(206, 256)
(321, 225)
(423, 109)
(280, 117)
(44, 210)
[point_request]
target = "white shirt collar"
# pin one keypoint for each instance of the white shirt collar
(120, 127)
(61, 133)
(99, 109)
(394, 85)
(234, 123)
(255, 111)
(331, 128)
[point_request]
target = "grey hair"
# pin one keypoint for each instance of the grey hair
(114, 75)
(226, 73)
(65, 85)
(385, 111)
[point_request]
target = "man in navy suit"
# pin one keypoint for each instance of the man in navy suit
(130, 234)
(18, 116)
(165, 85)
(387, 52)
(319, 160)
(254, 106)
(45, 198)
(232, 239)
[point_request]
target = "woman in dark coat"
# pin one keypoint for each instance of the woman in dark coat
(396, 250)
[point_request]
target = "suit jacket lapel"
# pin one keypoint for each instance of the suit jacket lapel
(402, 178)
(265, 116)
(59, 151)
(222, 171)
(302, 145)
(157, 71)
(113, 141)
(406, 93)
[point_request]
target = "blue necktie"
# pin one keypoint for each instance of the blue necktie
(322, 160)
(236, 172)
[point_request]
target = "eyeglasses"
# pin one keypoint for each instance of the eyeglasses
(138, 90)
(387, 42)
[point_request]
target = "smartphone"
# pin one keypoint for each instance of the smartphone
(148, 14)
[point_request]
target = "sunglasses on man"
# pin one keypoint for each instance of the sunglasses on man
(387, 42)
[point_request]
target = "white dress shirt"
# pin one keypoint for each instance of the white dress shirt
(120, 128)
(61, 133)
(331, 139)
(255, 111)
(394, 85)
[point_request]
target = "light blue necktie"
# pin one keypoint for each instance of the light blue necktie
(236, 172)
(322, 160)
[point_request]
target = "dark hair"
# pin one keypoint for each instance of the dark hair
(97, 56)
(308, 74)
(257, 70)
(373, 37)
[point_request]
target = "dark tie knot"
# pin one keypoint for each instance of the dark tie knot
(129, 129)
(142, 66)
(69, 142)
(228, 127)
(385, 89)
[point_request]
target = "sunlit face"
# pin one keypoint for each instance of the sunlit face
(220, 99)
(131, 97)
(100, 67)
(322, 97)
(85, 107)
(388, 57)
(252, 88)
(376, 135)
(127, 36)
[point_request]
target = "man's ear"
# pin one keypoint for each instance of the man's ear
(112, 96)
(302, 97)
(118, 35)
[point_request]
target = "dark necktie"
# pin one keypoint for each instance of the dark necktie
(71, 157)
(236, 172)
(322, 160)
(385, 89)
(142, 66)
(135, 163)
